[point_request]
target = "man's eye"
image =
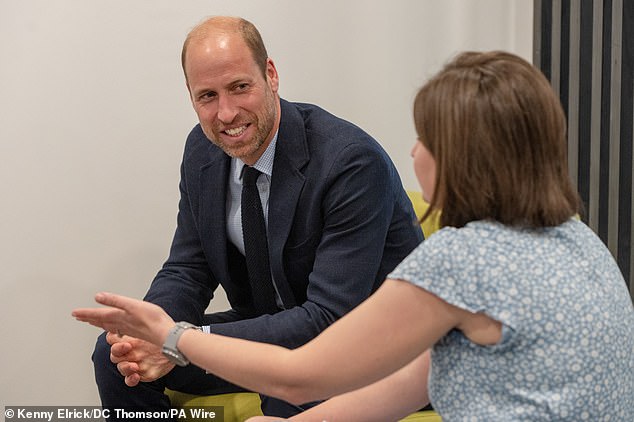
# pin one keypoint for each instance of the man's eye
(208, 96)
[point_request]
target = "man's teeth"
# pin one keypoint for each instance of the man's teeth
(235, 131)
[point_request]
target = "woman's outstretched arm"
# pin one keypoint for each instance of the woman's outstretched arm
(383, 334)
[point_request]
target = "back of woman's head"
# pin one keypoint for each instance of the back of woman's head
(497, 133)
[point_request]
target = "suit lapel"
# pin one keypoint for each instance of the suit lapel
(287, 181)
(212, 220)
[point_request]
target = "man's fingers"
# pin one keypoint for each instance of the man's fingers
(132, 380)
(120, 349)
(127, 368)
(113, 338)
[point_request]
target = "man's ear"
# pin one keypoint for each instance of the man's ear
(272, 76)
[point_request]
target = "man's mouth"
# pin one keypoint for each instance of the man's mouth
(236, 131)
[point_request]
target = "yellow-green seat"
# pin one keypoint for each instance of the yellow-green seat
(423, 416)
(240, 406)
(430, 225)
(237, 407)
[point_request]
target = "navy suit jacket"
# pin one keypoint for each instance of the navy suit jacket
(339, 221)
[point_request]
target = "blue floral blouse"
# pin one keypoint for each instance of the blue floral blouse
(567, 347)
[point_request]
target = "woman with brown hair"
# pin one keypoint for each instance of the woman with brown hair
(523, 308)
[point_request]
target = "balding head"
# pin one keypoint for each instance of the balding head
(226, 26)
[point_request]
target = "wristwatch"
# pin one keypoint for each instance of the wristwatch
(169, 347)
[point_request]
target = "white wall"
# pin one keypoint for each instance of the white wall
(93, 117)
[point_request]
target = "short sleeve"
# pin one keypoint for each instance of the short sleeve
(457, 266)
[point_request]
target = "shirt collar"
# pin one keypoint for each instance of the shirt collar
(264, 163)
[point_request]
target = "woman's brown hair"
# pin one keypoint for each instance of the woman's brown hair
(497, 133)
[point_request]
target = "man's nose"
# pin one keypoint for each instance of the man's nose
(227, 109)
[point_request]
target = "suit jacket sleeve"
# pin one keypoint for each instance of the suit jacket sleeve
(184, 286)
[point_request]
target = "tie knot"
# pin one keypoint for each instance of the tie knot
(250, 175)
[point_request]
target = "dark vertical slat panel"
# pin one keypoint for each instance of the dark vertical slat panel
(596, 21)
(584, 67)
(604, 155)
(574, 88)
(546, 17)
(564, 54)
(615, 126)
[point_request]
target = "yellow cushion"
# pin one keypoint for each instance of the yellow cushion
(423, 416)
(237, 407)
(430, 225)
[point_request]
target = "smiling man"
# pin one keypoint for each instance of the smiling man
(233, 90)
(335, 217)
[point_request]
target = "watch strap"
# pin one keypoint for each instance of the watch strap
(170, 349)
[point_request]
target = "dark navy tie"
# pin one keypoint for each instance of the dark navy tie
(256, 248)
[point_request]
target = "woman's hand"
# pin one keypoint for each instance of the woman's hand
(132, 317)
